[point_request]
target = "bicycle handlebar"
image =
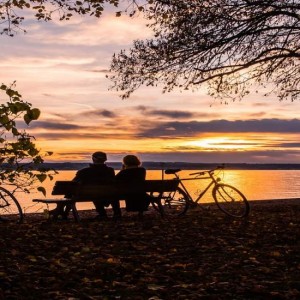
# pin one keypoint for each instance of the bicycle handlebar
(203, 172)
(198, 173)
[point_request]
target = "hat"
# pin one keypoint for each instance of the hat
(99, 156)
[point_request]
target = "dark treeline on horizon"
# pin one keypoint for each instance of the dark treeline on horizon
(181, 165)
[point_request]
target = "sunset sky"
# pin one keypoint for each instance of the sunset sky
(60, 67)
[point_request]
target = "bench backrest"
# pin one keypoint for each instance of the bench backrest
(115, 189)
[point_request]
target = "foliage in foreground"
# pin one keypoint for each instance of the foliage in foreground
(20, 159)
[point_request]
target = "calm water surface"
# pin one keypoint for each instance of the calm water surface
(255, 185)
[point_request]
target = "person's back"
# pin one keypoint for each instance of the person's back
(133, 173)
(137, 174)
(95, 173)
(98, 173)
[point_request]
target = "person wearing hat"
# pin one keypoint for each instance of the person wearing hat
(133, 173)
(99, 172)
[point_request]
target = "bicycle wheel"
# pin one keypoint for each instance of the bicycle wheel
(173, 204)
(230, 200)
(10, 209)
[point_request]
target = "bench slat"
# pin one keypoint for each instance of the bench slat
(49, 201)
(114, 189)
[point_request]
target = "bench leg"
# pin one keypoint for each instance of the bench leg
(160, 208)
(75, 212)
(58, 211)
(156, 203)
(63, 209)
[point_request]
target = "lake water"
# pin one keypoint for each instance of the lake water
(254, 184)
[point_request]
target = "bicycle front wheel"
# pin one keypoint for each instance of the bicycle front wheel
(230, 200)
(173, 204)
(10, 209)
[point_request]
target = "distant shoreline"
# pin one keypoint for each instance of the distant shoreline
(181, 165)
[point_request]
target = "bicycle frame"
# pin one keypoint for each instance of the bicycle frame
(211, 176)
(229, 199)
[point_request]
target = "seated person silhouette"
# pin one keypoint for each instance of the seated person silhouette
(132, 172)
(99, 172)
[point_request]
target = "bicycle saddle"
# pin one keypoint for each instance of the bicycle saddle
(172, 171)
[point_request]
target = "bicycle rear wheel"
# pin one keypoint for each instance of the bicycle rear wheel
(173, 204)
(230, 200)
(10, 209)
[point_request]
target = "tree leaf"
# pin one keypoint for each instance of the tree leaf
(41, 177)
(35, 113)
(27, 119)
(42, 190)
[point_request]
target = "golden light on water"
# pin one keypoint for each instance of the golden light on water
(252, 183)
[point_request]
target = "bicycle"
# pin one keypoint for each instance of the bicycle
(228, 198)
(10, 209)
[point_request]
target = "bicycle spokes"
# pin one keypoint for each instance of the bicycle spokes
(227, 196)
(230, 200)
(10, 209)
(176, 204)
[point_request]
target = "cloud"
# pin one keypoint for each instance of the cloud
(99, 71)
(287, 145)
(106, 125)
(60, 68)
(192, 128)
(48, 95)
(258, 115)
(172, 114)
(271, 156)
(102, 112)
(48, 125)
(54, 125)
(81, 136)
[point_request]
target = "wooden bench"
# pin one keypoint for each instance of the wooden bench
(101, 192)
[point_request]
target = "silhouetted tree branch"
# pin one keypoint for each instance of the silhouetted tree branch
(13, 12)
(227, 44)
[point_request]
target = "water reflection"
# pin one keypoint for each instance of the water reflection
(254, 184)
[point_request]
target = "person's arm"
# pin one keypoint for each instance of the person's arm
(112, 173)
(121, 175)
(78, 176)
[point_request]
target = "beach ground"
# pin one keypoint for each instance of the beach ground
(202, 255)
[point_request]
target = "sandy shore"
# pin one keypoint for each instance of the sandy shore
(89, 214)
(202, 255)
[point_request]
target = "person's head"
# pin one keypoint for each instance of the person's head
(99, 157)
(131, 161)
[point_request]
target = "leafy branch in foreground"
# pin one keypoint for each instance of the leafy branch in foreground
(20, 160)
(229, 45)
(14, 13)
